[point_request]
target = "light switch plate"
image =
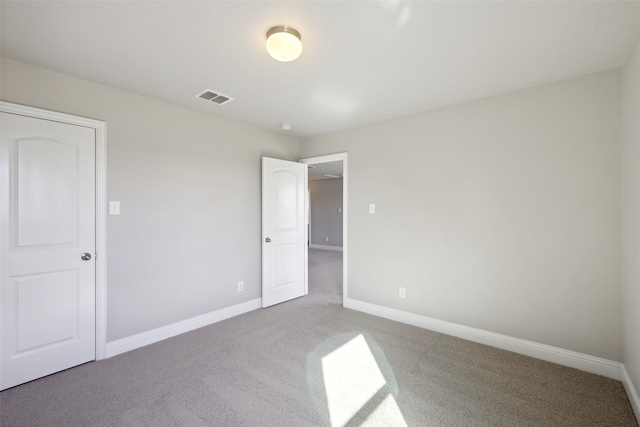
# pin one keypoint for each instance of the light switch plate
(372, 208)
(114, 208)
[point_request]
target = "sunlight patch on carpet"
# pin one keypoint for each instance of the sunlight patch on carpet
(352, 379)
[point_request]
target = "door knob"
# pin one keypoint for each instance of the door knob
(268, 240)
(86, 256)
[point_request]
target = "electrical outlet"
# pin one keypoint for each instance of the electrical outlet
(402, 293)
(240, 286)
(326, 239)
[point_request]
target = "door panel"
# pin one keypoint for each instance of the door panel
(47, 292)
(46, 309)
(284, 230)
(46, 197)
(285, 268)
(285, 212)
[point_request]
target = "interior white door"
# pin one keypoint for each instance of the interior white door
(47, 261)
(284, 248)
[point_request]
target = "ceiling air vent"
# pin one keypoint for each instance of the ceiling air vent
(216, 98)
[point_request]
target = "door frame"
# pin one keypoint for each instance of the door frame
(345, 211)
(100, 129)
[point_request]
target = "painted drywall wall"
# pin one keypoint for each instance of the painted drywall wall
(326, 220)
(631, 213)
(189, 188)
(501, 214)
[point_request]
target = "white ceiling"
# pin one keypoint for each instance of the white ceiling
(363, 61)
(320, 170)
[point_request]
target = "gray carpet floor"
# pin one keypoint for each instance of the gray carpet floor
(310, 362)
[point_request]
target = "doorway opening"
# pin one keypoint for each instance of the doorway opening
(327, 225)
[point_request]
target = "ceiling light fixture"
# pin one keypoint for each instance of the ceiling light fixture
(285, 126)
(284, 43)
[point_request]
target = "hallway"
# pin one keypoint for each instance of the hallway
(325, 275)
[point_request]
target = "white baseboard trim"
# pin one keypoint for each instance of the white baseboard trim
(572, 359)
(123, 345)
(326, 247)
(632, 393)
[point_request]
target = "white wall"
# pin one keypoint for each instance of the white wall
(326, 221)
(501, 214)
(189, 187)
(631, 213)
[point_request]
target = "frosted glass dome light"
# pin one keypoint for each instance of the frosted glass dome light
(284, 43)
